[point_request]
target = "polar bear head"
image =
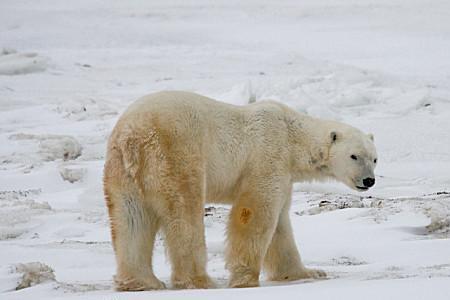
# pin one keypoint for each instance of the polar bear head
(352, 157)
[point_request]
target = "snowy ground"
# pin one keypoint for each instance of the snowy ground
(69, 68)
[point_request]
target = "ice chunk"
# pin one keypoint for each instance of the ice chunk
(33, 273)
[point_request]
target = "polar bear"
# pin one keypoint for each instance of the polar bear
(171, 152)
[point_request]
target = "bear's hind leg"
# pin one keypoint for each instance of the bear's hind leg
(185, 241)
(182, 212)
(134, 227)
(282, 261)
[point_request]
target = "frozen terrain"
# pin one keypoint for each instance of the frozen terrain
(69, 68)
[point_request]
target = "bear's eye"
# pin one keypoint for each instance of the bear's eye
(375, 161)
(353, 156)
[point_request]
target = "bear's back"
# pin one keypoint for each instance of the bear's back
(226, 137)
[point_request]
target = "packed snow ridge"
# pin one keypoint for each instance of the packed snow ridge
(14, 63)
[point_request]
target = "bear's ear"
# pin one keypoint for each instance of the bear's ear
(333, 136)
(371, 137)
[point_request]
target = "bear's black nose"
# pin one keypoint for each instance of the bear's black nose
(368, 182)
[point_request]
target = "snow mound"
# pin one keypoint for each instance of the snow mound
(332, 91)
(33, 273)
(439, 214)
(53, 147)
(17, 212)
(87, 109)
(329, 202)
(435, 206)
(57, 147)
(72, 174)
(13, 63)
(439, 225)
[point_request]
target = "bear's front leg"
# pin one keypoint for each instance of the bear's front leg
(252, 223)
(282, 261)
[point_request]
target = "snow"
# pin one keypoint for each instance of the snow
(67, 71)
(12, 63)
